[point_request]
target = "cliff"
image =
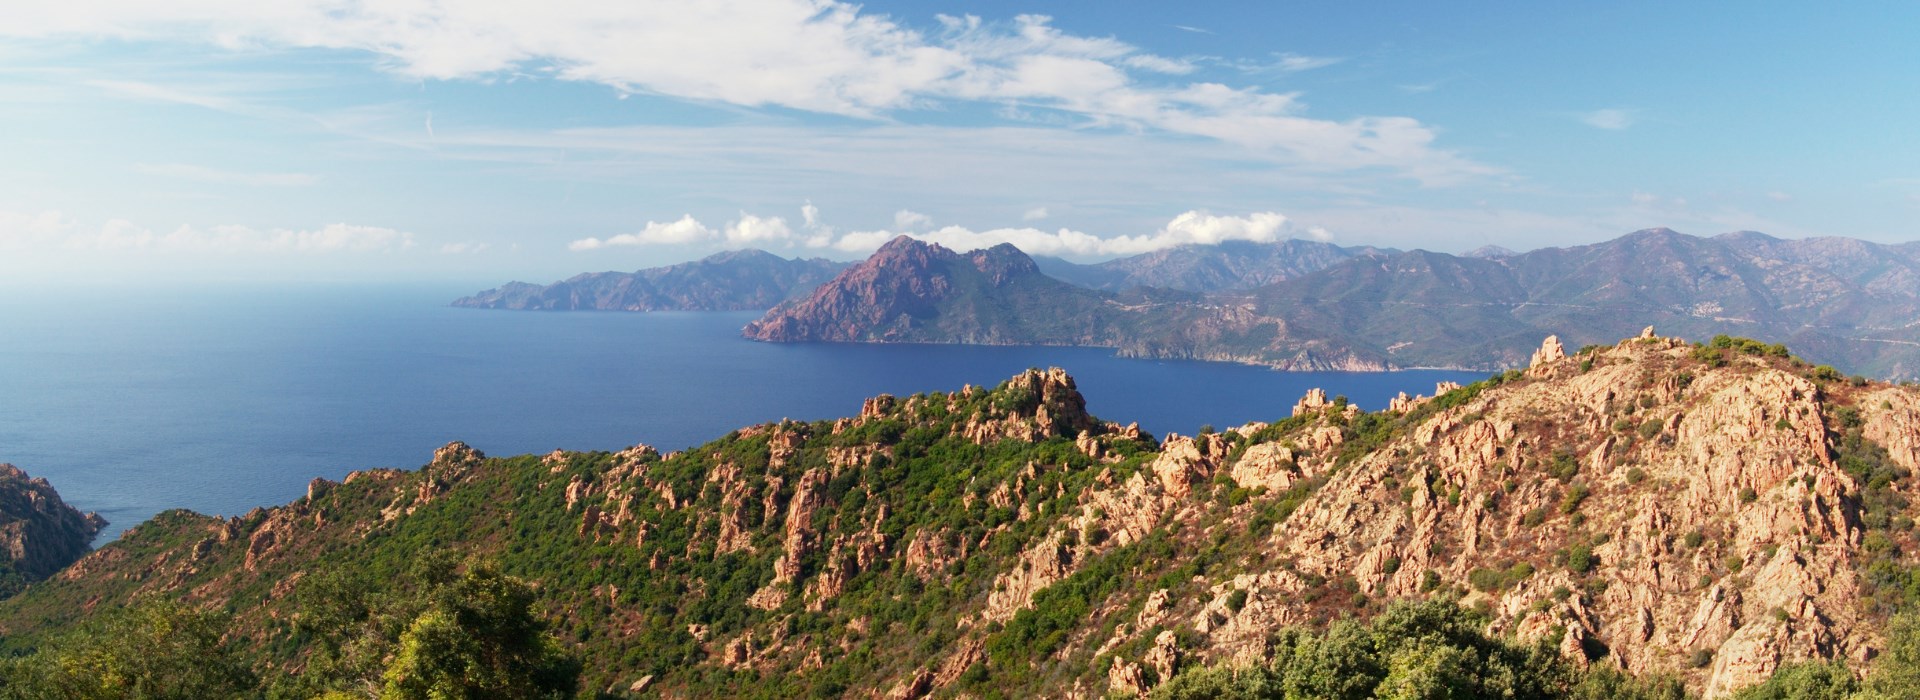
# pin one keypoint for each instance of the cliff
(1705, 513)
(39, 533)
(728, 281)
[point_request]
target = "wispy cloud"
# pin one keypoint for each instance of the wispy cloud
(1034, 214)
(1186, 28)
(908, 220)
(226, 177)
(1294, 63)
(49, 231)
(809, 55)
(465, 248)
(1612, 119)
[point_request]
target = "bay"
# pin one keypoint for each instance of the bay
(133, 401)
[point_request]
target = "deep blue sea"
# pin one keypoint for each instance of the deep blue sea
(219, 400)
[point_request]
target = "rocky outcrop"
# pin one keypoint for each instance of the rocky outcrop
(1040, 404)
(1550, 351)
(39, 533)
(1315, 400)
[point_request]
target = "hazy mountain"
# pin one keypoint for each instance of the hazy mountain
(1708, 516)
(911, 291)
(729, 281)
(1231, 265)
(1840, 301)
(915, 292)
(1835, 300)
(1489, 252)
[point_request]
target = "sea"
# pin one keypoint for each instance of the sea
(133, 401)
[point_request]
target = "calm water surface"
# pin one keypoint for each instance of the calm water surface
(223, 400)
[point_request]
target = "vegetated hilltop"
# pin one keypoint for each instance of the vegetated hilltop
(1844, 302)
(1707, 513)
(1225, 266)
(730, 281)
(39, 533)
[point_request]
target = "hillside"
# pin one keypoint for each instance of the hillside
(730, 281)
(39, 533)
(1708, 513)
(1226, 266)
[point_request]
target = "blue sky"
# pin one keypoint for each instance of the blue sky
(367, 140)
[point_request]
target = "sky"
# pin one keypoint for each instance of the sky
(477, 141)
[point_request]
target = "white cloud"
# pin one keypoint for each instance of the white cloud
(1779, 196)
(332, 238)
(1160, 64)
(908, 220)
(810, 214)
(48, 231)
(812, 55)
(750, 229)
(1034, 214)
(226, 177)
(746, 230)
(1190, 227)
(1294, 63)
(465, 248)
(1610, 119)
(28, 231)
(685, 230)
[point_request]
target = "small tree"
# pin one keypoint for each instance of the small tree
(479, 639)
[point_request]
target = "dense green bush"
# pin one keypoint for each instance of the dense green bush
(1432, 649)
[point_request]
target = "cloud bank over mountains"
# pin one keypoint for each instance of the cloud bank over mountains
(1188, 228)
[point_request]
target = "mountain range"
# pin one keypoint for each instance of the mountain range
(1225, 266)
(729, 281)
(1305, 305)
(1845, 302)
(1639, 520)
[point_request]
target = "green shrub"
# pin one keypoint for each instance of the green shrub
(1494, 580)
(1700, 658)
(1574, 496)
(1580, 559)
(1564, 466)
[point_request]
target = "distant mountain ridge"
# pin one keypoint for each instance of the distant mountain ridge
(910, 291)
(1230, 265)
(730, 281)
(1851, 303)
